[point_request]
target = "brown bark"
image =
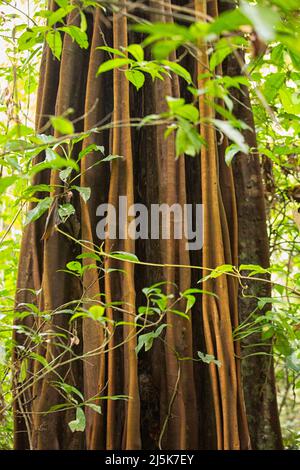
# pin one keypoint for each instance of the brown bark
(257, 370)
(174, 404)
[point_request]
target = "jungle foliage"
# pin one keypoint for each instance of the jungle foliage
(263, 38)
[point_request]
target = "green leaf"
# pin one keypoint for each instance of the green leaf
(223, 49)
(178, 70)
(31, 190)
(83, 22)
(272, 85)
(228, 21)
(89, 256)
(194, 290)
(111, 157)
(254, 268)
(89, 149)
(170, 129)
(232, 133)
(161, 49)
(183, 145)
(154, 69)
(59, 14)
(65, 211)
(219, 270)
(59, 406)
(78, 315)
(287, 5)
(135, 77)
(53, 161)
(23, 370)
(179, 313)
(190, 302)
(38, 210)
(277, 55)
(112, 64)
(189, 112)
(80, 422)
(62, 3)
(79, 36)
(147, 339)
(39, 358)
(64, 174)
(94, 407)
(230, 152)
(188, 140)
(295, 59)
(53, 39)
(267, 332)
(175, 103)
(290, 102)
(263, 301)
(263, 18)
(293, 361)
(74, 266)
(111, 50)
(96, 312)
(164, 30)
(6, 181)
(62, 125)
(69, 389)
(198, 31)
(84, 192)
(208, 359)
(29, 39)
(136, 51)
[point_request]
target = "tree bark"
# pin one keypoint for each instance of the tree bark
(173, 404)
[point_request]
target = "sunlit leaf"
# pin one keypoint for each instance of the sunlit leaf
(135, 77)
(38, 210)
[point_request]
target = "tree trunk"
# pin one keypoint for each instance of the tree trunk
(173, 404)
